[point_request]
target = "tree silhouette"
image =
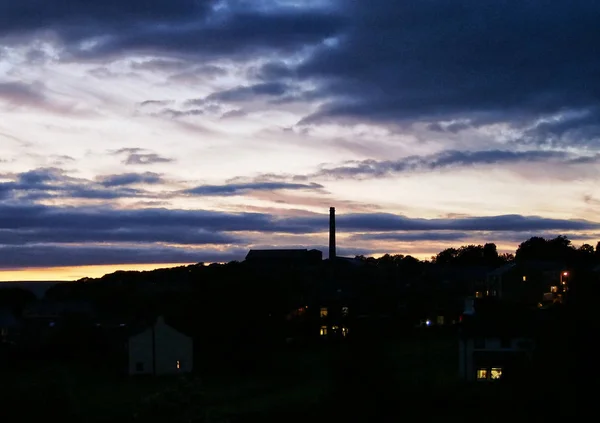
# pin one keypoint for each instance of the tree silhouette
(15, 299)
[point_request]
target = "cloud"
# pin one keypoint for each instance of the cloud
(184, 236)
(172, 113)
(390, 222)
(55, 232)
(442, 160)
(22, 94)
(466, 236)
(53, 256)
(98, 218)
(48, 183)
(202, 28)
(248, 93)
(412, 236)
(144, 159)
(439, 60)
(243, 188)
(76, 19)
(448, 159)
(130, 179)
(234, 114)
(155, 103)
(140, 156)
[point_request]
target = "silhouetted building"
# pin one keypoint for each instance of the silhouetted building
(496, 343)
(160, 350)
(532, 283)
(298, 257)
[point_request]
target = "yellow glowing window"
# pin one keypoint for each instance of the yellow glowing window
(554, 289)
(478, 294)
(524, 278)
(334, 328)
(323, 311)
(344, 331)
(178, 364)
(323, 331)
(496, 373)
(482, 374)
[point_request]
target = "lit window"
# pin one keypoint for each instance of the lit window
(496, 373)
(482, 374)
(344, 331)
(478, 294)
(334, 328)
(554, 289)
(524, 278)
(565, 273)
(323, 311)
(178, 365)
(323, 331)
(344, 311)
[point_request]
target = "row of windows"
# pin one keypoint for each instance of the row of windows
(343, 330)
(325, 311)
(495, 373)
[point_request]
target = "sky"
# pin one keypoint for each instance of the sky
(142, 133)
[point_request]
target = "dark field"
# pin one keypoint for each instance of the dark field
(380, 381)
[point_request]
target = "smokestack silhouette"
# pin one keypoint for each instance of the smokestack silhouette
(332, 254)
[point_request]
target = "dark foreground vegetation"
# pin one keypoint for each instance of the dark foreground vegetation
(384, 380)
(259, 356)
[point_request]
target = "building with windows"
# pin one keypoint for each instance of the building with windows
(496, 343)
(534, 283)
(160, 350)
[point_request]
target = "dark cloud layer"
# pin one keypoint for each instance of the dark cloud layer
(130, 179)
(437, 60)
(194, 28)
(160, 234)
(439, 161)
(30, 217)
(530, 64)
(43, 235)
(244, 188)
(47, 183)
(53, 255)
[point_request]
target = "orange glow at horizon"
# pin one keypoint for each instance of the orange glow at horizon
(75, 272)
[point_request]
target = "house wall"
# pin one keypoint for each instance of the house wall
(140, 351)
(171, 352)
(172, 347)
(468, 352)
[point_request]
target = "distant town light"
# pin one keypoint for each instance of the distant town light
(428, 322)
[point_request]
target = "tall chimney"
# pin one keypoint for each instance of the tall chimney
(332, 254)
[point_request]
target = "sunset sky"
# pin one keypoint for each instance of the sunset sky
(143, 132)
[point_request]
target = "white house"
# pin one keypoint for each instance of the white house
(160, 350)
(492, 358)
(495, 342)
